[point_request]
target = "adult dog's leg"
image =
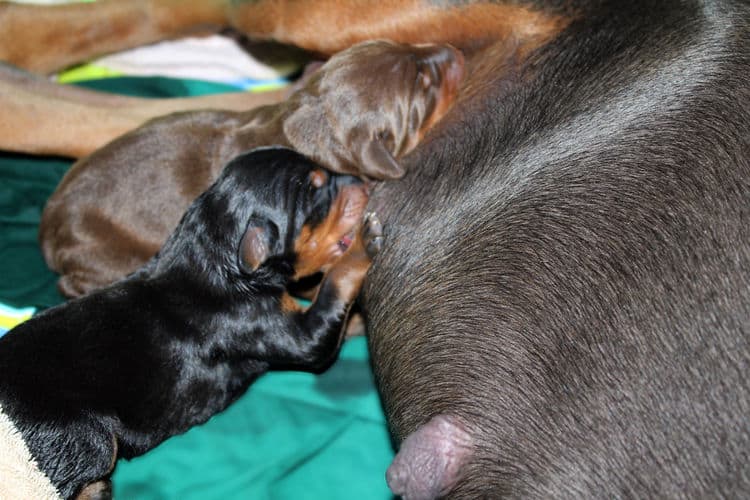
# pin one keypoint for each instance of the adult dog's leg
(47, 38)
(328, 26)
(41, 117)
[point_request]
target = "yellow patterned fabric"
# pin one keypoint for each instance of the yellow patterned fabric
(11, 316)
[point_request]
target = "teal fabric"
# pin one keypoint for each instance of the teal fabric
(25, 184)
(156, 86)
(292, 436)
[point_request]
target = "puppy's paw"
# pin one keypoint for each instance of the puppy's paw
(349, 272)
(372, 234)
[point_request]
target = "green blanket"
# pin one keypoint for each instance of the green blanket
(292, 436)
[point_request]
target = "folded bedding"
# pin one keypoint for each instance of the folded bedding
(291, 436)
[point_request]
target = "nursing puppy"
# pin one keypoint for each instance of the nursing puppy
(117, 372)
(361, 110)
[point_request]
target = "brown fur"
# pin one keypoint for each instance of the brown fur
(318, 247)
(99, 490)
(411, 21)
(221, 283)
(574, 237)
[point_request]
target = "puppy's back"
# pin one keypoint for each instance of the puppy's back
(113, 209)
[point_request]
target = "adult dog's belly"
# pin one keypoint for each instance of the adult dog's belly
(566, 267)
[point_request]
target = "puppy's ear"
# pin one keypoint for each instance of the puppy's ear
(379, 163)
(256, 244)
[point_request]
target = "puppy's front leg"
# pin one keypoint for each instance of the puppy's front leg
(317, 332)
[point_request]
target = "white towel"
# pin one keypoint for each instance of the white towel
(20, 477)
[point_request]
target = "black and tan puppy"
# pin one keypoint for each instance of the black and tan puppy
(115, 373)
(366, 107)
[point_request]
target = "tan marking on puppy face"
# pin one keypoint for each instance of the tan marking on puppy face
(348, 273)
(318, 178)
(318, 247)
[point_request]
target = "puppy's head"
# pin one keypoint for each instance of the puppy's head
(272, 214)
(308, 218)
(372, 103)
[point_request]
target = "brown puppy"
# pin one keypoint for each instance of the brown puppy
(365, 106)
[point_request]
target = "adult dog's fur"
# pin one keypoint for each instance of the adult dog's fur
(578, 316)
(115, 373)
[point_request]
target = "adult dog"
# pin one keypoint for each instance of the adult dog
(575, 234)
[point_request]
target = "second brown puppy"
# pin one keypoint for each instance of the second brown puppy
(363, 109)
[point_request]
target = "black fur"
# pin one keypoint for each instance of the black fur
(579, 261)
(180, 339)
